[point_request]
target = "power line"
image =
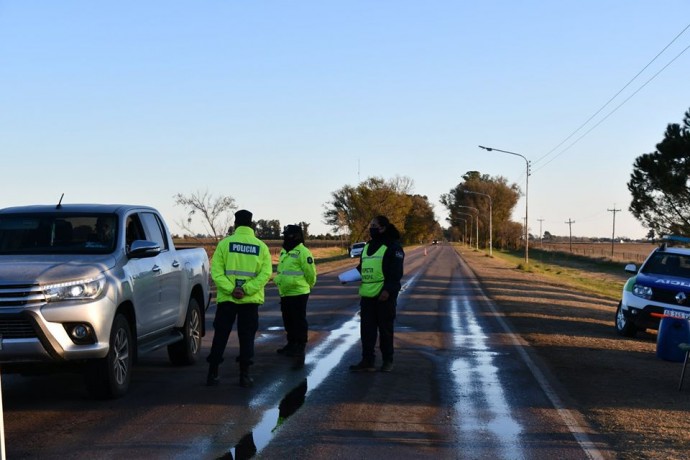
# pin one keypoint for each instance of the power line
(613, 97)
(615, 109)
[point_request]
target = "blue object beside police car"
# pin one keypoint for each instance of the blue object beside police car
(659, 289)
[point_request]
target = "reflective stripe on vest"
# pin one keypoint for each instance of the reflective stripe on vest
(292, 273)
(240, 273)
(372, 272)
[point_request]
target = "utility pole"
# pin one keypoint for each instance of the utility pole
(613, 234)
(541, 235)
(570, 223)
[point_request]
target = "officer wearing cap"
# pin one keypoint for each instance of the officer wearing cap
(296, 275)
(240, 267)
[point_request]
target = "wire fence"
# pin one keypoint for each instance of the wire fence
(620, 252)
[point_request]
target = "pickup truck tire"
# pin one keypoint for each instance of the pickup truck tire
(109, 377)
(624, 327)
(186, 351)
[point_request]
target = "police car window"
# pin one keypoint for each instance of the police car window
(668, 264)
(154, 229)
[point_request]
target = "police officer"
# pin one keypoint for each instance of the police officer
(240, 268)
(381, 266)
(296, 275)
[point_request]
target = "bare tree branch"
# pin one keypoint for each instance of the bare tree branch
(216, 213)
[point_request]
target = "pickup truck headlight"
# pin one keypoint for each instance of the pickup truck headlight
(75, 290)
(642, 291)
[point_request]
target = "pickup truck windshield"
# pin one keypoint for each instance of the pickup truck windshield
(58, 233)
(670, 264)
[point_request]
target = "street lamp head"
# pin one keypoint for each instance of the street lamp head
(485, 148)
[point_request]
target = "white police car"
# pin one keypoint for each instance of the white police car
(661, 287)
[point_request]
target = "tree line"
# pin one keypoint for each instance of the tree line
(478, 204)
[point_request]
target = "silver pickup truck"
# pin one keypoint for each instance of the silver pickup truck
(96, 286)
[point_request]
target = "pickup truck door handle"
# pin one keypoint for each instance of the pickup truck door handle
(156, 268)
(176, 264)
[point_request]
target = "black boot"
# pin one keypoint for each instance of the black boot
(298, 356)
(245, 380)
(292, 350)
(364, 365)
(285, 349)
(212, 379)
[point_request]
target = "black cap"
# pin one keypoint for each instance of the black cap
(243, 217)
(292, 230)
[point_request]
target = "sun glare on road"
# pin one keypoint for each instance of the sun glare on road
(481, 408)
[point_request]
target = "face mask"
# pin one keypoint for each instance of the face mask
(289, 242)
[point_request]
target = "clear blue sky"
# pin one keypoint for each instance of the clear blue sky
(278, 103)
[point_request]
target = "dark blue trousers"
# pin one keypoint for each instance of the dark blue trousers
(247, 315)
(377, 320)
(294, 312)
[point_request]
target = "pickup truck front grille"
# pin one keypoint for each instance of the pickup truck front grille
(16, 327)
(20, 295)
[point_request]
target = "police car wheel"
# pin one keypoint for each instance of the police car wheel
(624, 326)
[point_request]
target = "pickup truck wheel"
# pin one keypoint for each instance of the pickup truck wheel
(109, 377)
(187, 350)
(624, 326)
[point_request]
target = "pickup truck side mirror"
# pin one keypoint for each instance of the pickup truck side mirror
(140, 249)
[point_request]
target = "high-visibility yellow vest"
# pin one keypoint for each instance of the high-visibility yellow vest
(296, 272)
(372, 272)
(241, 259)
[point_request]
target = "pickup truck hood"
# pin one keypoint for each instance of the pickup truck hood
(664, 282)
(52, 269)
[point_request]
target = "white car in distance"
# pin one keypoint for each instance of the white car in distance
(357, 248)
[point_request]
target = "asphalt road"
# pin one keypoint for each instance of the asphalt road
(463, 386)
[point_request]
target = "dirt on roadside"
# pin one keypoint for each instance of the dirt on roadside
(625, 392)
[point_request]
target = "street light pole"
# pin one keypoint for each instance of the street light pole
(476, 224)
(491, 253)
(471, 217)
(464, 235)
(489, 149)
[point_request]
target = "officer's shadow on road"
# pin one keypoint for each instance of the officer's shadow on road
(246, 447)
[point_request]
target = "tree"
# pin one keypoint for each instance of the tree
(268, 229)
(509, 235)
(420, 223)
(216, 213)
(352, 208)
(305, 229)
(453, 234)
(660, 183)
(504, 197)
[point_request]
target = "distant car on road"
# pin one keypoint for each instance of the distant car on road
(434, 242)
(357, 248)
(661, 287)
